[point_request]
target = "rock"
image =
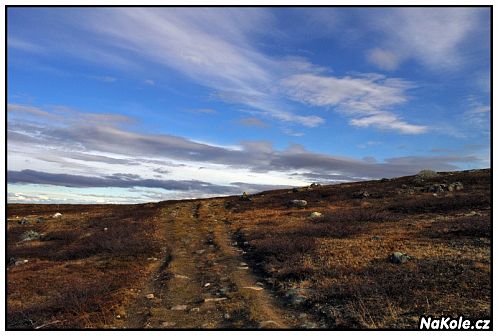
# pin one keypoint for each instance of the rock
(207, 284)
(456, 186)
(375, 238)
(269, 324)
(105, 229)
(472, 213)
(384, 179)
(309, 325)
(436, 188)
(168, 324)
(150, 296)
(297, 296)
(215, 299)
(152, 259)
(312, 185)
(24, 221)
(226, 316)
(21, 262)
(245, 197)
(30, 235)
(256, 288)
(361, 194)
(180, 276)
(200, 251)
(195, 309)
(315, 214)
(40, 220)
(297, 203)
(242, 264)
(295, 190)
(242, 267)
(399, 258)
(57, 215)
(118, 317)
(179, 307)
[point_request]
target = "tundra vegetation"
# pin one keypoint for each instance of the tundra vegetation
(364, 255)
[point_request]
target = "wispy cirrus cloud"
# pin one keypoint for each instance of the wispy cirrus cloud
(367, 98)
(198, 44)
(435, 37)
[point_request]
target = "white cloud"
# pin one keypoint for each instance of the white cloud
(17, 43)
(366, 97)
(433, 36)
(389, 122)
(149, 82)
(384, 59)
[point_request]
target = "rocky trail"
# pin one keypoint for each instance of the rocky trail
(204, 281)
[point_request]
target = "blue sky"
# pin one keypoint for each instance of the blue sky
(144, 104)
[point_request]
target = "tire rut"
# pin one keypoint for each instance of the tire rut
(204, 282)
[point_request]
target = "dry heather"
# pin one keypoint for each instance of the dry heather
(339, 262)
(77, 271)
(334, 269)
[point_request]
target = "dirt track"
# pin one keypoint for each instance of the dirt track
(205, 283)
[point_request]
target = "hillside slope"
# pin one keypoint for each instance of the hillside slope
(258, 261)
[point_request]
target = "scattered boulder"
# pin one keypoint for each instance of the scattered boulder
(24, 221)
(361, 194)
(312, 185)
(297, 203)
(405, 191)
(472, 213)
(215, 299)
(256, 288)
(57, 215)
(399, 258)
(245, 197)
(21, 262)
(375, 238)
(423, 175)
(297, 296)
(269, 325)
(30, 235)
(315, 214)
(150, 296)
(442, 187)
(180, 276)
(456, 186)
(436, 188)
(179, 307)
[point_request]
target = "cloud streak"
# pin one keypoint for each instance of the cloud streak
(367, 98)
(434, 37)
(219, 49)
(257, 156)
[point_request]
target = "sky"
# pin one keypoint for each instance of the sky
(132, 105)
